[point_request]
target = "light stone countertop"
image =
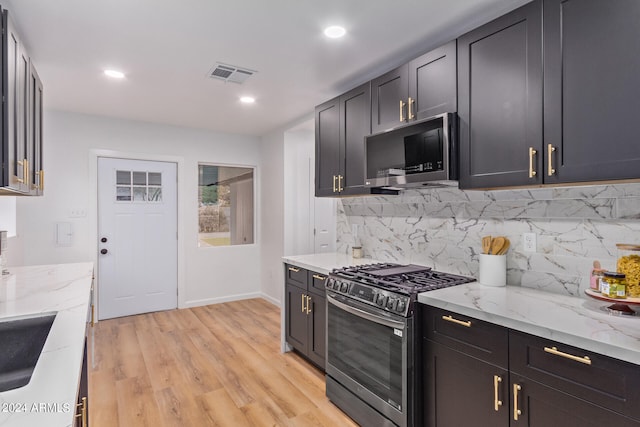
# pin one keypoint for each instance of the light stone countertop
(49, 398)
(324, 263)
(570, 320)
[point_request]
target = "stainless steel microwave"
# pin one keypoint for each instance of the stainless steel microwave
(421, 154)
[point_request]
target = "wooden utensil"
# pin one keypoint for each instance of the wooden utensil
(505, 247)
(486, 244)
(497, 244)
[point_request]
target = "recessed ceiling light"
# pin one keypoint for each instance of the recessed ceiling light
(114, 74)
(334, 32)
(247, 99)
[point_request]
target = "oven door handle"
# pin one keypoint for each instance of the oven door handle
(365, 315)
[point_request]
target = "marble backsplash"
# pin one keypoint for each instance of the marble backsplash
(442, 227)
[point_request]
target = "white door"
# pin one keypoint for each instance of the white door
(138, 240)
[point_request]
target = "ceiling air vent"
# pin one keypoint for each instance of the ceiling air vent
(230, 73)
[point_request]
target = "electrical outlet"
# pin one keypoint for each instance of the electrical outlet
(529, 242)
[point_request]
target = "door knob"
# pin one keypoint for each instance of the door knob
(103, 240)
(103, 251)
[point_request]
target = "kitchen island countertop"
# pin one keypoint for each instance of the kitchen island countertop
(49, 398)
(567, 319)
(325, 262)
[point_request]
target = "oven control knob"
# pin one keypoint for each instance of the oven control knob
(382, 300)
(392, 303)
(330, 283)
(344, 287)
(401, 306)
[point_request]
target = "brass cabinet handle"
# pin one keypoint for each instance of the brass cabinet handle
(456, 321)
(411, 102)
(93, 314)
(42, 180)
(516, 412)
(335, 190)
(319, 277)
(25, 173)
(304, 309)
(497, 403)
(308, 304)
(550, 150)
(402, 104)
(532, 153)
(340, 187)
(295, 270)
(20, 180)
(83, 412)
(555, 351)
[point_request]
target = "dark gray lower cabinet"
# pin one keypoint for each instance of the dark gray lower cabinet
(542, 384)
(82, 404)
(305, 314)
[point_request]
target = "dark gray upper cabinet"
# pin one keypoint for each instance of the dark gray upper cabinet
(341, 126)
(500, 101)
(327, 122)
(422, 88)
(591, 90)
(21, 122)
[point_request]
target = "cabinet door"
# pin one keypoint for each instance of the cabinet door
(591, 80)
(296, 318)
(17, 102)
(463, 391)
(388, 93)
(500, 100)
(432, 83)
(317, 329)
(83, 393)
(327, 120)
(542, 406)
(35, 165)
(355, 124)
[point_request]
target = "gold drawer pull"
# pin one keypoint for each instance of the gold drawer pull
(411, 102)
(340, 187)
(317, 276)
(308, 304)
(402, 104)
(497, 403)
(295, 270)
(335, 190)
(456, 321)
(516, 412)
(303, 299)
(532, 153)
(554, 350)
(550, 150)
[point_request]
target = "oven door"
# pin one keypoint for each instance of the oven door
(367, 354)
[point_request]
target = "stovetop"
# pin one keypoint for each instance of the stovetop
(390, 287)
(403, 279)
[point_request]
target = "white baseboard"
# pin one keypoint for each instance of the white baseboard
(237, 297)
(271, 299)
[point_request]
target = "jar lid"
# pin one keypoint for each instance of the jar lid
(628, 247)
(614, 275)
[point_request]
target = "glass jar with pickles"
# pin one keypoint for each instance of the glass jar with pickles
(629, 265)
(613, 285)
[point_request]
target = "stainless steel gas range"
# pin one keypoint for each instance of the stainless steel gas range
(373, 340)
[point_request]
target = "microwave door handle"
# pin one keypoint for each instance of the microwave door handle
(365, 315)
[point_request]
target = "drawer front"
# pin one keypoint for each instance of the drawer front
(468, 335)
(317, 283)
(598, 379)
(296, 276)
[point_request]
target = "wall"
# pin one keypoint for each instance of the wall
(443, 227)
(206, 275)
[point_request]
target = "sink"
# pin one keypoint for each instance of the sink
(21, 342)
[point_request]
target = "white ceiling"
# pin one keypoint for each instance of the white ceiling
(166, 48)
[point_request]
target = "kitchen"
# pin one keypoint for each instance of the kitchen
(441, 228)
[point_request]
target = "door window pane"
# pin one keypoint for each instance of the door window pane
(225, 205)
(123, 177)
(138, 186)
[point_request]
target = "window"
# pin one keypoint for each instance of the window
(225, 205)
(138, 186)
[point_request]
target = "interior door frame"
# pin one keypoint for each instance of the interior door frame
(94, 154)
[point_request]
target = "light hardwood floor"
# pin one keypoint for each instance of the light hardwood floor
(218, 365)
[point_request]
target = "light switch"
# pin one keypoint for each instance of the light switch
(64, 234)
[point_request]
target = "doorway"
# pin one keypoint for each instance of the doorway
(137, 236)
